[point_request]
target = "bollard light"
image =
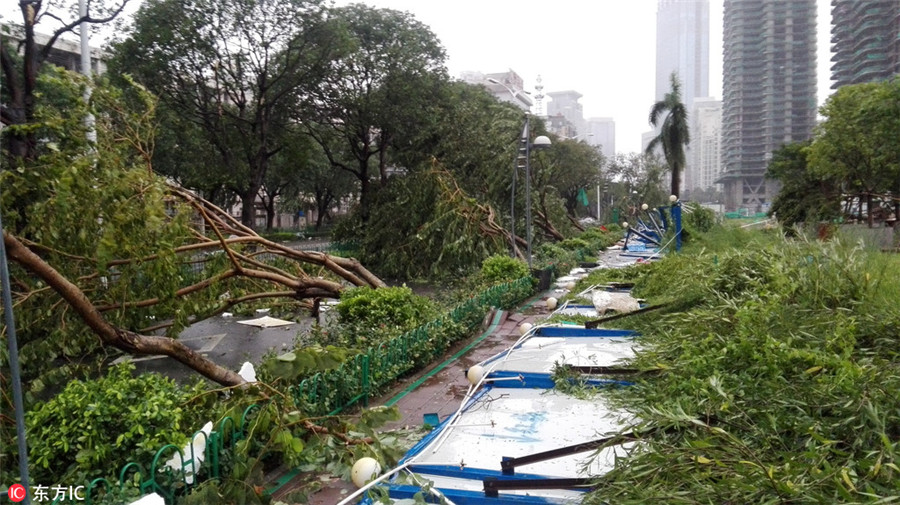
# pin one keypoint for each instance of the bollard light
(551, 303)
(474, 374)
(364, 470)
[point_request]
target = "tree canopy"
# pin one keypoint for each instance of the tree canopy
(20, 76)
(236, 73)
(804, 197)
(378, 94)
(857, 142)
(674, 132)
(852, 161)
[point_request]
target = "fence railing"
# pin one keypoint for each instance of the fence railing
(325, 393)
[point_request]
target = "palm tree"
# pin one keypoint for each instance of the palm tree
(674, 133)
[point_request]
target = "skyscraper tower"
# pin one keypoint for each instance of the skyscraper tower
(682, 46)
(769, 88)
(865, 41)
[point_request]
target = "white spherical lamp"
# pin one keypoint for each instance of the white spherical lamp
(551, 303)
(644, 206)
(525, 328)
(474, 374)
(625, 224)
(673, 198)
(364, 470)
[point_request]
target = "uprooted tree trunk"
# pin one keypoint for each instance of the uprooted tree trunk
(543, 222)
(228, 232)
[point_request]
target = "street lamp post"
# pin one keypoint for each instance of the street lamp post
(512, 204)
(523, 160)
(525, 148)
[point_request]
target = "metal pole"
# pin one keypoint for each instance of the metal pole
(676, 216)
(512, 205)
(598, 201)
(14, 368)
(525, 138)
(86, 69)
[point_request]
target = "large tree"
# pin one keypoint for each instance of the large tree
(671, 117)
(378, 94)
(805, 197)
(574, 167)
(640, 179)
(232, 70)
(857, 142)
(20, 75)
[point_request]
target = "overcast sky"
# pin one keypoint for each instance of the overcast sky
(604, 49)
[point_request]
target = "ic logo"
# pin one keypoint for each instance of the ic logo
(16, 493)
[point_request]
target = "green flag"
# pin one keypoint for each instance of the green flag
(582, 197)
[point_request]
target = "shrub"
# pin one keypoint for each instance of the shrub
(574, 244)
(498, 268)
(370, 315)
(93, 428)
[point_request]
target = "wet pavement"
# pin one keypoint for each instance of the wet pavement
(226, 342)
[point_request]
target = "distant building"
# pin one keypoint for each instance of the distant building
(646, 138)
(559, 125)
(704, 164)
(865, 41)
(769, 88)
(509, 87)
(65, 53)
(682, 46)
(565, 104)
(601, 131)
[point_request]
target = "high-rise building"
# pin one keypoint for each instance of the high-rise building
(682, 46)
(865, 41)
(601, 131)
(769, 88)
(704, 165)
(565, 104)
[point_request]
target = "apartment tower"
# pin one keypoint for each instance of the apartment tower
(865, 41)
(682, 46)
(769, 92)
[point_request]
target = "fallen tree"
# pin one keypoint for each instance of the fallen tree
(297, 285)
(106, 254)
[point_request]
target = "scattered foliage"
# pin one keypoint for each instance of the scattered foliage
(779, 378)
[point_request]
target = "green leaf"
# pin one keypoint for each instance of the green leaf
(288, 356)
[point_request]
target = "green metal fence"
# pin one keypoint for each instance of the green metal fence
(325, 393)
(331, 392)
